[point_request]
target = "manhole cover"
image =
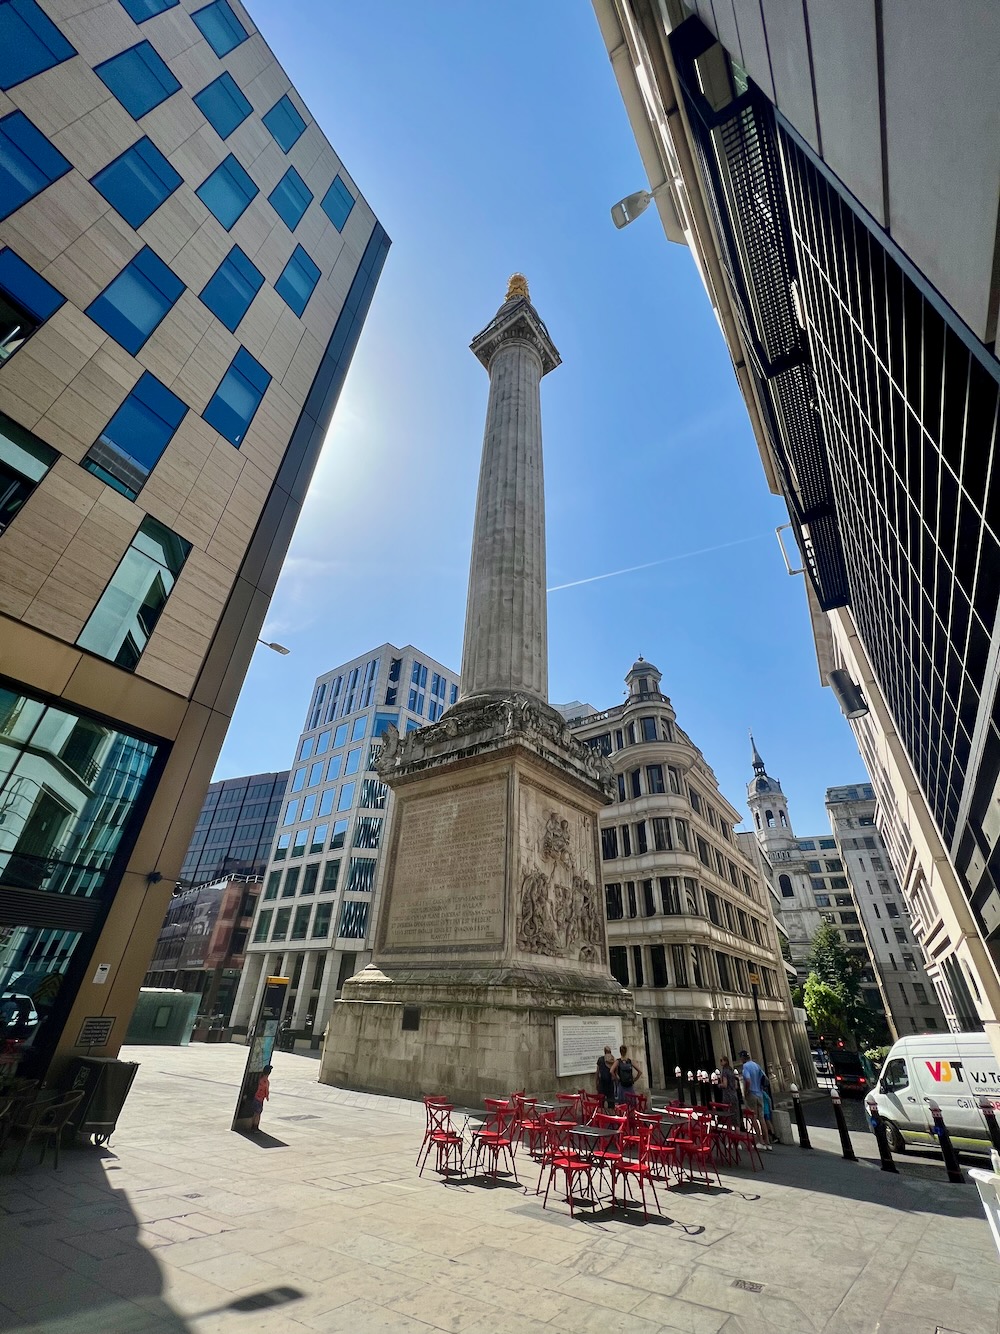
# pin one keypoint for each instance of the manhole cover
(745, 1285)
(306, 1116)
(193, 1196)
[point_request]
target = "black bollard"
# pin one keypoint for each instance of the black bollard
(881, 1139)
(948, 1153)
(800, 1120)
(679, 1076)
(990, 1117)
(838, 1116)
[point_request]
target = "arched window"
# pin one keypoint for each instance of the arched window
(769, 817)
(784, 821)
(757, 818)
(785, 885)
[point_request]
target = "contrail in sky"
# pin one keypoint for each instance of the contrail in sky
(684, 555)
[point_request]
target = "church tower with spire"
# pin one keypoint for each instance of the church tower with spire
(768, 806)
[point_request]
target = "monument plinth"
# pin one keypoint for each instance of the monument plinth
(492, 917)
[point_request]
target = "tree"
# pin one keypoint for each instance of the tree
(834, 985)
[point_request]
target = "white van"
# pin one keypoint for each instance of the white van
(956, 1070)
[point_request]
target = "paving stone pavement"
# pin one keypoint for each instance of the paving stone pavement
(182, 1227)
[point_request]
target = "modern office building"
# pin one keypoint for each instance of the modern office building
(185, 267)
(201, 944)
(908, 993)
(315, 919)
(690, 924)
(845, 225)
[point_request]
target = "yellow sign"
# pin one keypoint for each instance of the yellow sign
(278, 979)
(754, 979)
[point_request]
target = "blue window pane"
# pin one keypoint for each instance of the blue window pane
(290, 198)
(223, 105)
(231, 288)
(134, 304)
(28, 162)
(141, 10)
(337, 203)
(220, 27)
(28, 288)
(138, 78)
(285, 123)
(138, 182)
(227, 191)
(129, 447)
(29, 42)
(237, 398)
(298, 278)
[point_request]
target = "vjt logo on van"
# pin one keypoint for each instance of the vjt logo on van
(944, 1072)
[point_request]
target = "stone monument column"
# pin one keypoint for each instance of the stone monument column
(490, 968)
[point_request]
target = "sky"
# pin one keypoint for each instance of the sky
(491, 139)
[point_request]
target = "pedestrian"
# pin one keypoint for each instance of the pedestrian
(262, 1094)
(625, 1072)
(729, 1090)
(605, 1084)
(753, 1096)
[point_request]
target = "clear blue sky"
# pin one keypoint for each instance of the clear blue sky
(489, 139)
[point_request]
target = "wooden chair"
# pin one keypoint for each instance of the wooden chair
(45, 1119)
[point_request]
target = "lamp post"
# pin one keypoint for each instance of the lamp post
(277, 648)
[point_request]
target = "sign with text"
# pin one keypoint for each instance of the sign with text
(96, 1031)
(580, 1039)
(261, 1046)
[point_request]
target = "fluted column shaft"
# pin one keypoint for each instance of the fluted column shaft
(506, 647)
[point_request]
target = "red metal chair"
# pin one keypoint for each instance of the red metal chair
(700, 1153)
(592, 1102)
(495, 1138)
(736, 1140)
(608, 1151)
(636, 1169)
(567, 1159)
(551, 1125)
(442, 1136)
(571, 1104)
(430, 1100)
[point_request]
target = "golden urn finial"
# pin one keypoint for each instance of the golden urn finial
(517, 286)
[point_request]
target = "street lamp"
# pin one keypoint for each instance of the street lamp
(278, 648)
(630, 208)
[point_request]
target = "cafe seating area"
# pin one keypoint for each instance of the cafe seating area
(575, 1152)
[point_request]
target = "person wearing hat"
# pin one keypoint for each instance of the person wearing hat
(753, 1096)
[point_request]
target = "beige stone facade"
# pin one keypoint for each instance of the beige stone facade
(227, 483)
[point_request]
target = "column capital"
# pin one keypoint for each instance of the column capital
(516, 319)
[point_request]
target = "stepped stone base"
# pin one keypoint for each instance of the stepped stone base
(472, 1039)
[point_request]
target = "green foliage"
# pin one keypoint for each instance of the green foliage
(832, 996)
(825, 1006)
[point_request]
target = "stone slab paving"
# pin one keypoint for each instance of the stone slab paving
(182, 1227)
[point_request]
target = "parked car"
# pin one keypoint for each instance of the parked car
(954, 1070)
(820, 1062)
(18, 1017)
(849, 1071)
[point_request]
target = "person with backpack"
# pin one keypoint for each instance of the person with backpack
(625, 1072)
(605, 1084)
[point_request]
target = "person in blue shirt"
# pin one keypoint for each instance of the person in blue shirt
(753, 1097)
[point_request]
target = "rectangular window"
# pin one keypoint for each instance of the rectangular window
(626, 838)
(227, 192)
(321, 921)
(318, 839)
(630, 899)
(670, 895)
(892, 910)
(120, 625)
(679, 960)
(384, 720)
(634, 784)
(300, 922)
(297, 281)
(714, 909)
(346, 797)
(339, 834)
(315, 773)
(637, 964)
(359, 729)
(622, 794)
(654, 779)
(299, 842)
(220, 27)
(618, 963)
(353, 763)
(658, 960)
(367, 831)
(899, 933)
(662, 840)
(330, 873)
(26, 302)
(683, 836)
(281, 919)
(704, 853)
(271, 890)
(641, 844)
(137, 182)
(263, 925)
(223, 105)
(28, 162)
(337, 203)
(361, 874)
(135, 302)
(298, 780)
(323, 743)
(353, 920)
(285, 123)
(24, 461)
(309, 806)
(340, 736)
(281, 847)
(129, 447)
(613, 902)
(291, 812)
(291, 882)
(234, 403)
(326, 801)
(648, 726)
(822, 900)
(373, 793)
(909, 963)
(648, 900)
(29, 42)
(139, 79)
(290, 198)
(231, 288)
(333, 768)
(141, 10)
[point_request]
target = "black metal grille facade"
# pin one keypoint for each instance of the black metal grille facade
(882, 411)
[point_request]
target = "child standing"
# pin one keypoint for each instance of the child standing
(261, 1096)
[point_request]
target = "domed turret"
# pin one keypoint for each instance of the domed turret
(766, 799)
(643, 679)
